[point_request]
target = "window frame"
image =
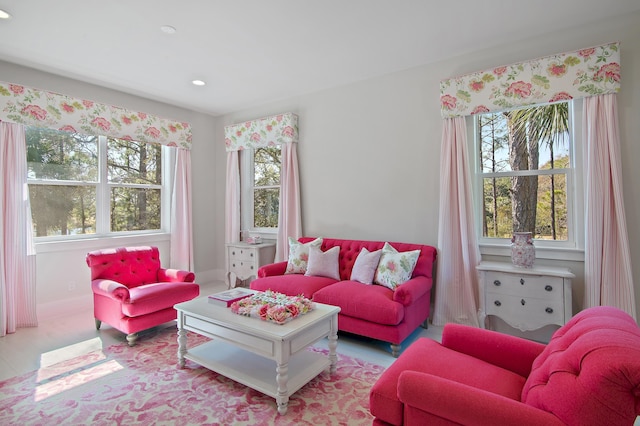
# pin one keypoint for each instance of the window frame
(573, 248)
(103, 191)
(247, 188)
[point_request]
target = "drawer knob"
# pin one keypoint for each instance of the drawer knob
(234, 265)
(548, 288)
(233, 253)
(549, 310)
(251, 255)
(251, 267)
(497, 303)
(497, 282)
(522, 302)
(522, 281)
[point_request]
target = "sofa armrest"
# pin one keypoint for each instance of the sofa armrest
(110, 289)
(412, 290)
(510, 352)
(175, 276)
(466, 405)
(272, 269)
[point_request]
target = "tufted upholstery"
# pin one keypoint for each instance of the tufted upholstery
(368, 310)
(132, 292)
(350, 249)
(588, 374)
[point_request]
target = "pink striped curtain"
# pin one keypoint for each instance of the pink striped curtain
(181, 223)
(17, 257)
(232, 198)
(456, 297)
(608, 277)
(289, 221)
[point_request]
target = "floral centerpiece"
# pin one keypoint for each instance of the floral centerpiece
(272, 306)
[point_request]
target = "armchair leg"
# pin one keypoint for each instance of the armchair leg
(98, 323)
(395, 350)
(425, 324)
(131, 339)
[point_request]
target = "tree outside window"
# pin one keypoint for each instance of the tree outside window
(524, 163)
(87, 184)
(266, 187)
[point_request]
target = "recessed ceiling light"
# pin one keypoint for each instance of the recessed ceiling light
(168, 29)
(198, 83)
(4, 14)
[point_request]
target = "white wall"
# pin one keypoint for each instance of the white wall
(369, 152)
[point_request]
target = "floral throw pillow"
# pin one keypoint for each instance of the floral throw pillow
(299, 255)
(365, 266)
(323, 263)
(395, 268)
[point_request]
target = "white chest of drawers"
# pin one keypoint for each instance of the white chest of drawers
(243, 260)
(526, 299)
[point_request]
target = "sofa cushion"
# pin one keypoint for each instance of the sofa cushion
(299, 255)
(428, 356)
(323, 264)
(292, 284)
(395, 268)
(150, 298)
(370, 303)
(365, 266)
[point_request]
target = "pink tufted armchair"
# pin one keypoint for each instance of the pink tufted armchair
(588, 374)
(131, 292)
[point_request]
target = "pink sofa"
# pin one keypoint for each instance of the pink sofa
(588, 374)
(373, 311)
(131, 292)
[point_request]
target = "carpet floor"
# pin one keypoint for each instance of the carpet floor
(142, 385)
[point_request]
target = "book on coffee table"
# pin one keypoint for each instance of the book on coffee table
(227, 297)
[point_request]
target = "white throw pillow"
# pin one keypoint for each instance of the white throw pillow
(323, 264)
(299, 255)
(365, 266)
(395, 268)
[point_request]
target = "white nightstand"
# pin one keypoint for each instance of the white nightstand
(243, 260)
(526, 299)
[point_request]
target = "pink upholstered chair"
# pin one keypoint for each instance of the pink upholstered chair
(131, 292)
(588, 374)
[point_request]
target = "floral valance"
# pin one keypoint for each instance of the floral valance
(572, 75)
(267, 131)
(34, 107)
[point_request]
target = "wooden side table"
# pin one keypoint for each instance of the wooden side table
(243, 260)
(526, 299)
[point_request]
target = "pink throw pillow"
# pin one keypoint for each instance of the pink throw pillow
(323, 264)
(365, 266)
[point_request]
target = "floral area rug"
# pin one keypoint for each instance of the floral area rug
(142, 385)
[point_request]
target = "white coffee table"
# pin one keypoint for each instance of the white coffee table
(243, 348)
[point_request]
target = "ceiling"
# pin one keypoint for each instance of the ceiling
(251, 52)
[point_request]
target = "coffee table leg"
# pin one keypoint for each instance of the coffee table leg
(282, 377)
(182, 345)
(333, 345)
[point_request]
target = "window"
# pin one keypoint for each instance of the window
(261, 189)
(83, 185)
(525, 162)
